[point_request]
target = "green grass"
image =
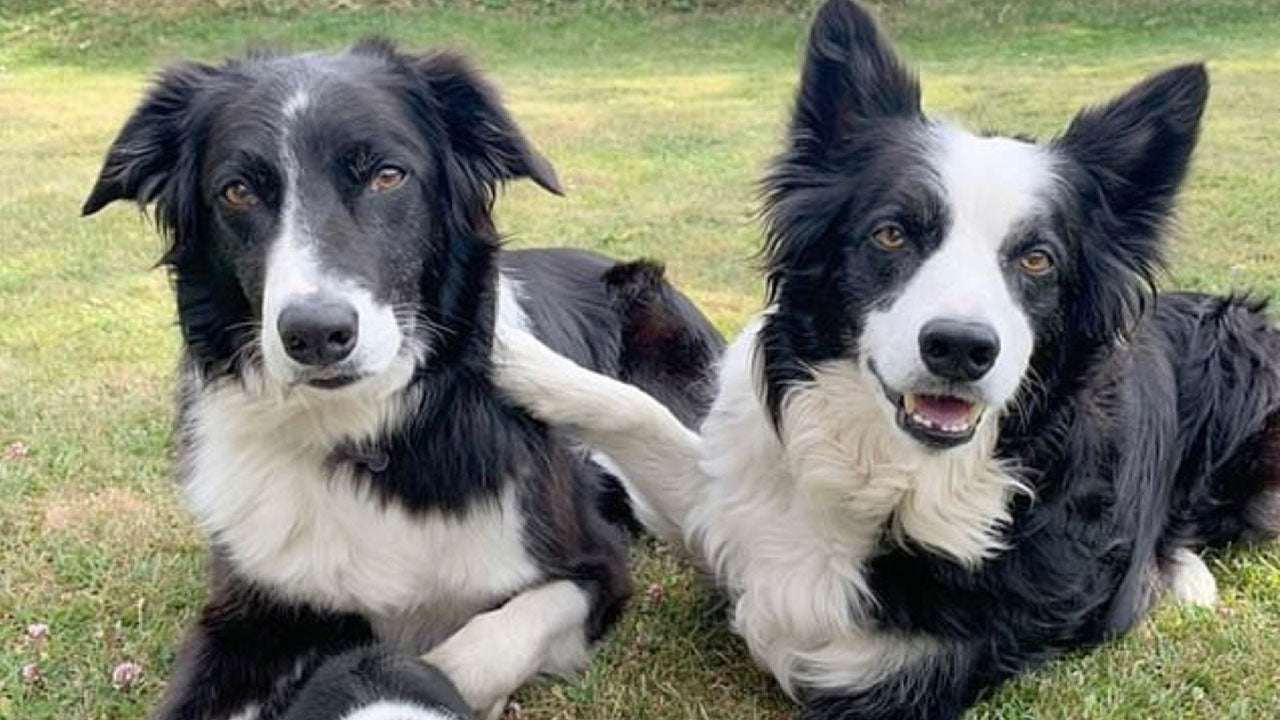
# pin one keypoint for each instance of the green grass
(659, 123)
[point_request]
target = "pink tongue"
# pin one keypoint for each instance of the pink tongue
(943, 409)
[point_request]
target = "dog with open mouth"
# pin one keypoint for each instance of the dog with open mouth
(359, 478)
(967, 434)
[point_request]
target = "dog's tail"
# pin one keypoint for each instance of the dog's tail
(669, 348)
(1229, 412)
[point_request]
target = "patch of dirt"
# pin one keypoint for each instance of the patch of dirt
(111, 514)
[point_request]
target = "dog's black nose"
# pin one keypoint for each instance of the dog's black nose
(318, 330)
(960, 350)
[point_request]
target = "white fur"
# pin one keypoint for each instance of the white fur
(637, 434)
(387, 710)
(512, 316)
(509, 312)
(539, 630)
(259, 482)
(260, 487)
(296, 103)
(250, 712)
(990, 185)
(785, 524)
(1190, 581)
(294, 273)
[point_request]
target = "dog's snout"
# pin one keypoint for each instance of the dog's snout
(959, 350)
(318, 330)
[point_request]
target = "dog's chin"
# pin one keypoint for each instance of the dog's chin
(318, 383)
(343, 378)
(331, 379)
(937, 418)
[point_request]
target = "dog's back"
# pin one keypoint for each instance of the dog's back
(620, 319)
(1226, 351)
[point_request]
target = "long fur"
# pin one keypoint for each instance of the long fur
(395, 497)
(875, 574)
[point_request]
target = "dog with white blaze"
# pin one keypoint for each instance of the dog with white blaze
(359, 478)
(967, 434)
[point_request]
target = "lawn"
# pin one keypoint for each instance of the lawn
(659, 123)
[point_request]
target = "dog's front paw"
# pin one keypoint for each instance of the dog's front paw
(1190, 581)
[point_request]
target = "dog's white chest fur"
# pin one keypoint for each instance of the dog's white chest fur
(258, 482)
(787, 523)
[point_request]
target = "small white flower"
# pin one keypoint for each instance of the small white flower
(126, 674)
(14, 451)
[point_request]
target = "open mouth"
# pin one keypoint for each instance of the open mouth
(938, 420)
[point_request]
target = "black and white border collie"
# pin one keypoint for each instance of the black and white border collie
(338, 281)
(966, 435)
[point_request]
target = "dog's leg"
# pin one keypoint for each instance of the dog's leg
(248, 655)
(538, 631)
(658, 455)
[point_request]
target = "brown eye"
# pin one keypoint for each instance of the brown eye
(238, 196)
(889, 237)
(1036, 262)
(387, 178)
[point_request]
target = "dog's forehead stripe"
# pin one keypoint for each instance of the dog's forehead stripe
(991, 184)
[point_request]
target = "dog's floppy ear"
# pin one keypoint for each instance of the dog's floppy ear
(480, 131)
(145, 156)
(1137, 147)
(850, 75)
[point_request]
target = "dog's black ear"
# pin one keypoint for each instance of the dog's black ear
(480, 131)
(851, 75)
(1128, 160)
(145, 156)
(1137, 147)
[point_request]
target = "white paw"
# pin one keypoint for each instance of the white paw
(1190, 581)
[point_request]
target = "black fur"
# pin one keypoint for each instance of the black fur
(432, 248)
(855, 136)
(373, 674)
(1149, 422)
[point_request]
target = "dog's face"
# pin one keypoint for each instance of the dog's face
(958, 270)
(334, 203)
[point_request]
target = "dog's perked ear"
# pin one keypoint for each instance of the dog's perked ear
(147, 154)
(1127, 159)
(851, 75)
(482, 135)
(1138, 146)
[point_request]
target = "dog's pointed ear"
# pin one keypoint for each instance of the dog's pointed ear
(1137, 147)
(480, 130)
(851, 75)
(1128, 158)
(145, 154)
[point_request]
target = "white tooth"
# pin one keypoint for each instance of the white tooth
(909, 403)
